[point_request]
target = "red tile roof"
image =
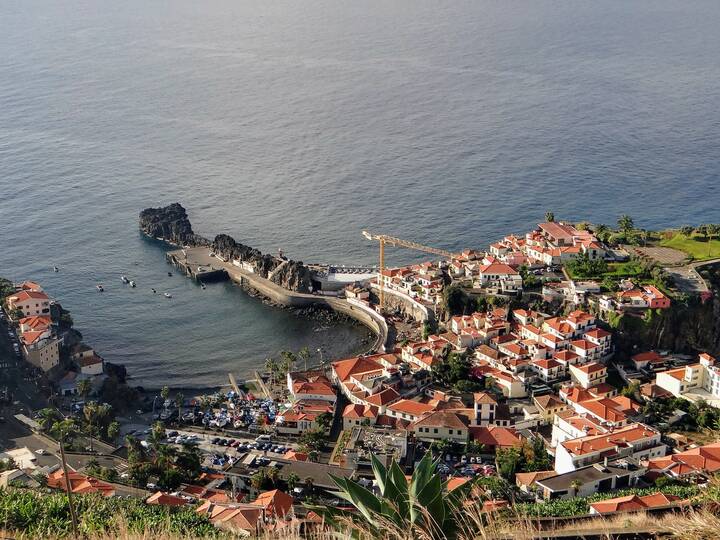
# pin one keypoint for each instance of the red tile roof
(634, 503)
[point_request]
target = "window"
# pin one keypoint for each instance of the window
(435, 430)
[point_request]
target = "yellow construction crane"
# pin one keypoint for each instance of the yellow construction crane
(393, 241)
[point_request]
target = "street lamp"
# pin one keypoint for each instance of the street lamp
(322, 362)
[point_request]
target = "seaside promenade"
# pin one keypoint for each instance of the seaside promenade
(196, 262)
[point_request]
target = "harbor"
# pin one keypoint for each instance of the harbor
(200, 264)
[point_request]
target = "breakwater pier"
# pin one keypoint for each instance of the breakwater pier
(200, 264)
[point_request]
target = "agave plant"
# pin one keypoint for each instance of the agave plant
(415, 507)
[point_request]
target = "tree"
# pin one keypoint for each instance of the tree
(48, 417)
(113, 430)
(549, 217)
(632, 390)
(304, 355)
(702, 230)
(324, 420)
(508, 462)
(474, 447)
(179, 399)
(259, 480)
(292, 481)
(313, 439)
(6, 288)
(602, 232)
(84, 388)
(687, 231)
(575, 485)
(626, 223)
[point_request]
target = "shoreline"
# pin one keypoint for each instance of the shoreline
(196, 257)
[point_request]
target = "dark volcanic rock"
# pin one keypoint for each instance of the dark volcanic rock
(294, 276)
(170, 223)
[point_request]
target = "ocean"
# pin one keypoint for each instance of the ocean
(295, 125)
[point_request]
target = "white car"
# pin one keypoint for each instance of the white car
(40, 452)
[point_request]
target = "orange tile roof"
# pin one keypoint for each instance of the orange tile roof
(165, 499)
(620, 437)
(351, 366)
(705, 459)
(633, 503)
(383, 398)
(495, 436)
(275, 502)
(446, 419)
(80, 483)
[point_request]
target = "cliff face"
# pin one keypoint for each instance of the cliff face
(170, 223)
(293, 275)
(686, 327)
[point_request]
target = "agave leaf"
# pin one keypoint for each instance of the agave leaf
(458, 495)
(380, 473)
(421, 475)
(365, 501)
(432, 489)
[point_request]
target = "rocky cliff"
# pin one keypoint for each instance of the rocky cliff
(292, 275)
(688, 326)
(170, 223)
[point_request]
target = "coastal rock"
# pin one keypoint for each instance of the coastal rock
(294, 276)
(170, 223)
(291, 275)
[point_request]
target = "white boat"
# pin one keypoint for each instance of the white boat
(132, 284)
(202, 286)
(168, 295)
(56, 269)
(99, 287)
(124, 279)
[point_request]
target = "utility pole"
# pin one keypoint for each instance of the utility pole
(68, 490)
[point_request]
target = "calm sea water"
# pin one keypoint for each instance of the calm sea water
(297, 124)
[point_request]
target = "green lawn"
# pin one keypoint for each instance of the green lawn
(615, 270)
(624, 269)
(695, 246)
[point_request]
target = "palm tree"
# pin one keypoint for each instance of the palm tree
(84, 388)
(549, 217)
(271, 366)
(47, 418)
(626, 223)
(575, 485)
(165, 393)
(113, 430)
(292, 481)
(179, 399)
(304, 355)
(602, 232)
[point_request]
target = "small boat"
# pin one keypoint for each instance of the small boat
(124, 279)
(202, 286)
(169, 273)
(168, 295)
(154, 291)
(132, 284)
(99, 287)
(56, 269)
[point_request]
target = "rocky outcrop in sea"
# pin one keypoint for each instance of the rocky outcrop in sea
(171, 223)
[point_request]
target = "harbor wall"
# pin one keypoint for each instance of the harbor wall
(266, 288)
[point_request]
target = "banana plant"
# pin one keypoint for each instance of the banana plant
(419, 505)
